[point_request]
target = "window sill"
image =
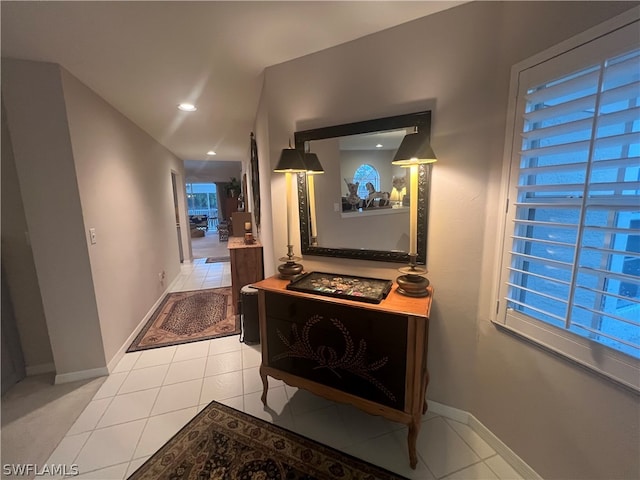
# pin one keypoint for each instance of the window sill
(623, 383)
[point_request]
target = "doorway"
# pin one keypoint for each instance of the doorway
(203, 208)
(13, 367)
(176, 209)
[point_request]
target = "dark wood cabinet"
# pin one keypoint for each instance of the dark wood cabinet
(372, 356)
(246, 266)
(229, 206)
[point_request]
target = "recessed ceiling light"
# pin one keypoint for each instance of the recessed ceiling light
(187, 107)
(379, 145)
(211, 152)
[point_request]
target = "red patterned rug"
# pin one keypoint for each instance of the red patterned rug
(223, 443)
(184, 317)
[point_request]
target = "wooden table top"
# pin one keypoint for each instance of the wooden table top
(238, 242)
(394, 303)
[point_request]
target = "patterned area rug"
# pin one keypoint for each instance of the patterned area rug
(217, 259)
(223, 443)
(188, 317)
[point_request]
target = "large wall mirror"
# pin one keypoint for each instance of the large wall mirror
(359, 207)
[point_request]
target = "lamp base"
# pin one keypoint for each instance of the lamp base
(289, 270)
(412, 283)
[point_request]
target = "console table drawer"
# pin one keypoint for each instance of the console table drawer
(354, 350)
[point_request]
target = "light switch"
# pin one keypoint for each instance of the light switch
(92, 235)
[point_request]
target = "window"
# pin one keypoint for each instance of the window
(571, 265)
(364, 174)
(202, 199)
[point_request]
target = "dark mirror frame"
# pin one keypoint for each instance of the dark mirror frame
(421, 120)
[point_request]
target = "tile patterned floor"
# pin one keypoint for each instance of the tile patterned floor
(152, 394)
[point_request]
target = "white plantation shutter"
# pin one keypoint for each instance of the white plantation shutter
(571, 266)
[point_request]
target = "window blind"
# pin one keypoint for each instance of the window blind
(574, 242)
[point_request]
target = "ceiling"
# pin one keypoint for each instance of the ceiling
(146, 57)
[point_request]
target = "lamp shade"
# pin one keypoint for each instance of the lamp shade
(291, 160)
(414, 149)
(312, 161)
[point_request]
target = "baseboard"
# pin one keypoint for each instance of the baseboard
(39, 369)
(123, 349)
(449, 412)
(501, 448)
(81, 375)
(487, 435)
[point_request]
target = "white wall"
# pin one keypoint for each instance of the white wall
(18, 264)
(37, 123)
(265, 167)
(124, 181)
(457, 64)
(81, 164)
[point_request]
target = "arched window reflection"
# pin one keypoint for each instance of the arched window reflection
(364, 174)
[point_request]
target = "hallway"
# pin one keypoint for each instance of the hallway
(209, 246)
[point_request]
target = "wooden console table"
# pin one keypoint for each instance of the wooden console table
(372, 356)
(246, 266)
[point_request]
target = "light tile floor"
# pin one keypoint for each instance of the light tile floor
(152, 394)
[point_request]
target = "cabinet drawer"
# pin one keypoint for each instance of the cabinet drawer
(358, 351)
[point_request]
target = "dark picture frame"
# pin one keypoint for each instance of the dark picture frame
(255, 181)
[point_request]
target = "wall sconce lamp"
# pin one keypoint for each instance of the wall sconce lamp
(291, 161)
(314, 167)
(414, 150)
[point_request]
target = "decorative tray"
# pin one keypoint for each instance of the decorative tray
(361, 289)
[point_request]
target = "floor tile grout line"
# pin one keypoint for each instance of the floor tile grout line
(459, 436)
(146, 422)
(154, 349)
(132, 453)
(75, 457)
(137, 419)
(97, 422)
(481, 459)
(120, 386)
(84, 444)
(448, 422)
(204, 375)
(161, 385)
(464, 468)
(492, 470)
(172, 435)
(132, 420)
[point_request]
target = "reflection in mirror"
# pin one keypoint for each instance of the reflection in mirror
(368, 186)
(359, 208)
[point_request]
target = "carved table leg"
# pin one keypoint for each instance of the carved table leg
(265, 385)
(414, 428)
(424, 393)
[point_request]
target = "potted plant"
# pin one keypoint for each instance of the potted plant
(233, 188)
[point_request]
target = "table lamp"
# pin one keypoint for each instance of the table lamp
(414, 150)
(291, 161)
